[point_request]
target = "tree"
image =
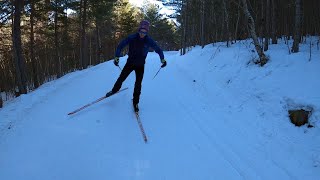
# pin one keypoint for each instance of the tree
(32, 55)
(184, 26)
(226, 13)
(84, 62)
(273, 22)
(252, 31)
(1, 102)
(202, 34)
(17, 48)
(160, 27)
(267, 26)
(297, 27)
(124, 20)
(100, 12)
(56, 39)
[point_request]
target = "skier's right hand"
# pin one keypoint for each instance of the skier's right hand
(116, 61)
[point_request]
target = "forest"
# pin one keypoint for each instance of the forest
(43, 40)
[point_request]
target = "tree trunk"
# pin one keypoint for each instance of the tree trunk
(84, 35)
(84, 45)
(222, 30)
(227, 22)
(185, 22)
(297, 28)
(65, 51)
(98, 43)
(267, 26)
(252, 31)
(56, 42)
(216, 29)
(202, 24)
(261, 24)
(80, 34)
(1, 102)
(90, 50)
(273, 23)
(237, 24)
(32, 58)
(17, 49)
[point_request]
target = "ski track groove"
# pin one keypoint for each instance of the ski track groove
(201, 88)
(222, 149)
(23, 115)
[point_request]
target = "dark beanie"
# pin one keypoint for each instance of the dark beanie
(144, 24)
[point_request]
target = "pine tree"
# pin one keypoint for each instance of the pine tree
(100, 13)
(20, 64)
(161, 29)
(124, 19)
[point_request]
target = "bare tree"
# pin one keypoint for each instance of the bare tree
(98, 42)
(32, 56)
(1, 84)
(237, 23)
(83, 40)
(226, 19)
(184, 27)
(267, 26)
(202, 23)
(273, 22)
(252, 31)
(17, 49)
(1, 102)
(56, 41)
(297, 27)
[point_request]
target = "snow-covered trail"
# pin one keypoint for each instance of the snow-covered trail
(104, 141)
(193, 130)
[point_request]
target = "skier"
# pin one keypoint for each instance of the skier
(139, 44)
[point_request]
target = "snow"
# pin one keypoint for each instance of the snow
(210, 114)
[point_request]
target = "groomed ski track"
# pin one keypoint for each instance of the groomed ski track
(192, 130)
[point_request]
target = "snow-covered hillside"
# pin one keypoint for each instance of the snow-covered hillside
(210, 114)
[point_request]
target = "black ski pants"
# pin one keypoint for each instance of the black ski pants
(128, 68)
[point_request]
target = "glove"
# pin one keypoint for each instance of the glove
(164, 63)
(116, 61)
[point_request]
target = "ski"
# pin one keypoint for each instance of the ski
(98, 100)
(141, 127)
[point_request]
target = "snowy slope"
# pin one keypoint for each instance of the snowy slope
(208, 115)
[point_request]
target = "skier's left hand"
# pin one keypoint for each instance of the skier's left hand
(164, 63)
(116, 61)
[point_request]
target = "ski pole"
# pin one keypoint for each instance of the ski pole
(119, 68)
(157, 73)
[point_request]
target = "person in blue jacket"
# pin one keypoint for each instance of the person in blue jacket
(139, 44)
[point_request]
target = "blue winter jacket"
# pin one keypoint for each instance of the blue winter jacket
(138, 48)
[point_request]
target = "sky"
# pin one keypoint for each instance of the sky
(164, 10)
(210, 114)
